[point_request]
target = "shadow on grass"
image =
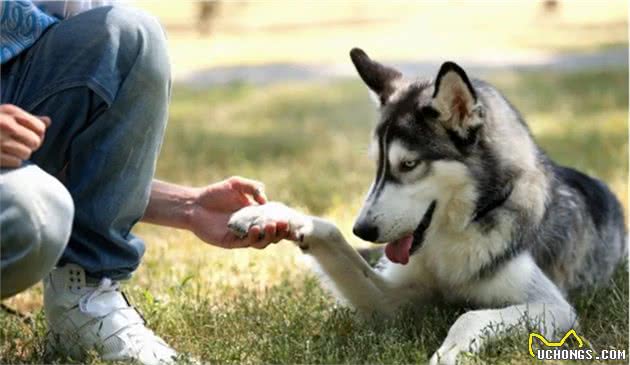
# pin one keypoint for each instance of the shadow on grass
(296, 322)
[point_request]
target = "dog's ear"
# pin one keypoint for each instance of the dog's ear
(377, 77)
(455, 98)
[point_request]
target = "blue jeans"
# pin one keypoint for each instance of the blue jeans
(103, 78)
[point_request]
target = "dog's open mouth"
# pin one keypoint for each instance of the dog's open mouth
(398, 251)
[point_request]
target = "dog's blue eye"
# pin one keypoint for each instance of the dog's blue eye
(408, 165)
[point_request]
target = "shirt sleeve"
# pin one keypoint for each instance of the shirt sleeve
(68, 8)
(21, 25)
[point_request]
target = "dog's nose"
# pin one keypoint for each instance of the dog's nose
(365, 231)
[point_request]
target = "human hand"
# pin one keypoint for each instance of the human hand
(214, 205)
(20, 135)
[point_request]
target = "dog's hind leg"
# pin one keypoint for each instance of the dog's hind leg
(351, 275)
(543, 310)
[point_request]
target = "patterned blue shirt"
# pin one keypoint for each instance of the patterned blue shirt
(21, 24)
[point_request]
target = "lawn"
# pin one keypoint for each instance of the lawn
(307, 142)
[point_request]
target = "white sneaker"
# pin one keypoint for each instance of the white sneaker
(83, 317)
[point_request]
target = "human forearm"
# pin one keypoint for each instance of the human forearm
(206, 211)
(170, 205)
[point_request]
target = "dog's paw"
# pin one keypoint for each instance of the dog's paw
(260, 215)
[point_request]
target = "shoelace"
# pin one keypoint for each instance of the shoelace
(138, 333)
(90, 307)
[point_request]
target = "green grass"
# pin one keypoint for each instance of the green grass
(307, 142)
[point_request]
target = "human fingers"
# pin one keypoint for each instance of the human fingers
(35, 124)
(8, 161)
(15, 148)
(269, 236)
(282, 231)
(254, 235)
(249, 187)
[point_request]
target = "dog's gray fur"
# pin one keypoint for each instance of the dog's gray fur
(496, 223)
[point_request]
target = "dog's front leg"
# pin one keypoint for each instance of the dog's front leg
(544, 309)
(351, 276)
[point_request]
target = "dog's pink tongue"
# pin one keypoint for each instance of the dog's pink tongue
(398, 251)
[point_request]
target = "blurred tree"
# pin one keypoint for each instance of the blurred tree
(207, 11)
(550, 6)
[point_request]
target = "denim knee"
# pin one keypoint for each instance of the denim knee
(104, 49)
(36, 223)
(141, 36)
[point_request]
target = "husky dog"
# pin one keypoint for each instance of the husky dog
(470, 210)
